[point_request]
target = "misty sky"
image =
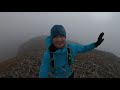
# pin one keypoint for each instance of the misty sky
(83, 27)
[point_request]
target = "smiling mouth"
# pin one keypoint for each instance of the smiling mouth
(58, 43)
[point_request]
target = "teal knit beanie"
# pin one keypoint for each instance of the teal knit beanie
(58, 30)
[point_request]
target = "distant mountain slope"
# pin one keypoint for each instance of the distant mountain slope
(33, 45)
(92, 64)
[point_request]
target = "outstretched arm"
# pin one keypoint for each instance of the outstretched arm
(85, 48)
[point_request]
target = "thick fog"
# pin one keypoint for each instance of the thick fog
(83, 27)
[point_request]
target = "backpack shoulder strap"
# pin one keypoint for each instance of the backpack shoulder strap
(52, 60)
(69, 56)
(52, 66)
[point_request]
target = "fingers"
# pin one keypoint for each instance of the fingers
(102, 33)
(102, 40)
(100, 36)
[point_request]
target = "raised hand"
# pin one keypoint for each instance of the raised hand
(100, 40)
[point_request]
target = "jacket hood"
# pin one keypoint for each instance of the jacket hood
(48, 41)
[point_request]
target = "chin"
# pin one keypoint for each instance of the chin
(60, 46)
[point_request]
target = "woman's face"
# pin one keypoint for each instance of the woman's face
(59, 41)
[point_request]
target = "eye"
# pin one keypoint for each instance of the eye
(61, 36)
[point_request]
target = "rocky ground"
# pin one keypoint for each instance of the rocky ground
(92, 65)
(87, 65)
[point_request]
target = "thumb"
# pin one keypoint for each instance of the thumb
(101, 41)
(100, 36)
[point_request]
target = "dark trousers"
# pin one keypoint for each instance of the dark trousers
(72, 76)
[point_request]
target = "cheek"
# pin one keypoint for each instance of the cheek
(63, 41)
(60, 44)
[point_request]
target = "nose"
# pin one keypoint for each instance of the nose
(59, 39)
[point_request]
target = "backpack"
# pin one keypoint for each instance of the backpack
(52, 66)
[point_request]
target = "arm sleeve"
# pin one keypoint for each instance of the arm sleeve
(83, 48)
(45, 66)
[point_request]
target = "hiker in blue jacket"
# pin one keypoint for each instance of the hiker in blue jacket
(59, 56)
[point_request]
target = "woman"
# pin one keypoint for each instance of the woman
(59, 56)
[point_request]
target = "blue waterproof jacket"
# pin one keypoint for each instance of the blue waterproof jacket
(62, 69)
